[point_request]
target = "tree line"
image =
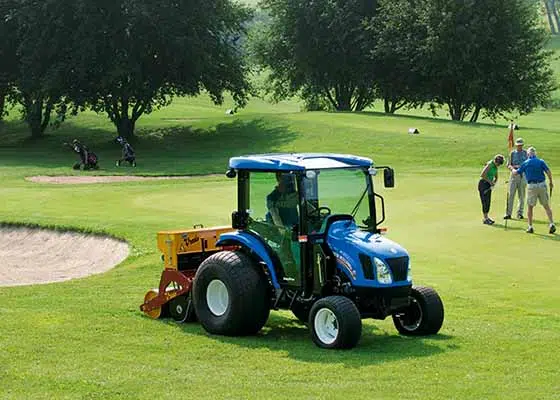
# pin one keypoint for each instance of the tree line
(470, 57)
(552, 12)
(123, 58)
(126, 58)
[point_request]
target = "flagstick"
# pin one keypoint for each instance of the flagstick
(510, 148)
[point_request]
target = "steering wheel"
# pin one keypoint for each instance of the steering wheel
(321, 212)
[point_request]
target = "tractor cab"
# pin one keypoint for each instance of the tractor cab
(290, 201)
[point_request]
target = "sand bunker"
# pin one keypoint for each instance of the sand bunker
(77, 179)
(31, 256)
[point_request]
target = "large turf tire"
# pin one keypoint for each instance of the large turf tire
(423, 316)
(231, 294)
(335, 323)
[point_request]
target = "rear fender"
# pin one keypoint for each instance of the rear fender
(255, 245)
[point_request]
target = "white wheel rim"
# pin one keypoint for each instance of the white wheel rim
(326, 326)
(217, 297)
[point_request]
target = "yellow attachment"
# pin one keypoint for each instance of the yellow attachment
(156, 312)
(173, 243)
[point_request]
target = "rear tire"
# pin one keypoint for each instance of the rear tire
(231, 294)
(335, 323)
(423, 316)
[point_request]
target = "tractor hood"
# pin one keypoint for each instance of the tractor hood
(355, 250)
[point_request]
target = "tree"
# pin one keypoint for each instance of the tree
(554, 9)
(7, 53)
(397, 61)
(485, 56)
(319, 49)
(37, 61)
(551, 22)
(137, 54)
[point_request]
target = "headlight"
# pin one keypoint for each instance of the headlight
(383, 273)
(409, 273)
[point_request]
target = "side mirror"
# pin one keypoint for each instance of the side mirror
(389, 177)
(230, 173)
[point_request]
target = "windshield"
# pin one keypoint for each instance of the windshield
(336, 191)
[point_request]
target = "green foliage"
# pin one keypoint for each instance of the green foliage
(36, 57)
(317, 49)
(138, 54)
(8, 67)
(485, 56)
(398, 63)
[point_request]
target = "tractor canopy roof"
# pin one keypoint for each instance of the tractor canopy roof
(297, 161)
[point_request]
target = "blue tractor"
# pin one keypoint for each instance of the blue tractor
(305, 237)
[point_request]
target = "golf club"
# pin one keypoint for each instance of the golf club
(507, 202)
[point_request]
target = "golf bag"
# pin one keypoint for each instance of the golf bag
(88, 159)
(128, 153)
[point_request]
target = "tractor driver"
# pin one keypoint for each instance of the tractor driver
(282, 202)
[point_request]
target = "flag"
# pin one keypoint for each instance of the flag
(510, 137)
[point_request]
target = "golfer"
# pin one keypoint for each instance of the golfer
(488, 179)
(517, 183)
(534, 169)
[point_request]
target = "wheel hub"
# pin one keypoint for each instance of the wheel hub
(326, 326)
(412, 317)
(217, 297)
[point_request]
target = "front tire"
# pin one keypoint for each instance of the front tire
(335, 323)
(231, 294)
(423, 316)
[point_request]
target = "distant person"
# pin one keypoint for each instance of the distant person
(128, 153)
(534, 170)
(488, 179)
(517, 183)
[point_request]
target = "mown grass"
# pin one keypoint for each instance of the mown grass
(87, 339)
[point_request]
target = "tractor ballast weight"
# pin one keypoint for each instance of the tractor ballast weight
(305, 237)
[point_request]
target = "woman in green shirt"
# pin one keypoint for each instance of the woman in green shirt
(488, 178)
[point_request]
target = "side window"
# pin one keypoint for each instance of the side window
(261, 185)
(274, 199)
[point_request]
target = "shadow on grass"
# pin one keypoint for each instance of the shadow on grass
(444, 119)
(540, 227)
(203, 150)
(287, 335)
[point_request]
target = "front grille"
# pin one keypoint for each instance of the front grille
(399, 268)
